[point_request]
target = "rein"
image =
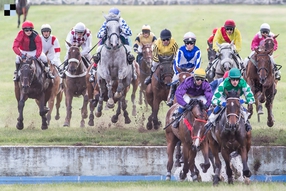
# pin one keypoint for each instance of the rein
(190, 127)
(234, 114)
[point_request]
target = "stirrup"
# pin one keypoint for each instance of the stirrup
(170, 102)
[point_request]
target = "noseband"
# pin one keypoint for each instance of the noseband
(233, 114)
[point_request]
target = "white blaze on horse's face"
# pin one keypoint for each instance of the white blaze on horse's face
(197, 140)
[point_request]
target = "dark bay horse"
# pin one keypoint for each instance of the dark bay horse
(113, 69)
(191, 132)
(259, 74)
(145, 70)
(22, 8)
(211, 57)
(75, 84)
(32, 84)
(159, 88)
(56, 93)
(228, 136)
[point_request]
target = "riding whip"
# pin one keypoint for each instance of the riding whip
(174, 120)
(94, 46)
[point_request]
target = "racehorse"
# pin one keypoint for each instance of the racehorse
(22, 8)
(56, 93)
(225, 61)
(211, 58)
(229, 136)
(75, 84)
(113, 68)
(33, 84)
(191, 132)
(259, 74)
(145, 70)
(159, 88)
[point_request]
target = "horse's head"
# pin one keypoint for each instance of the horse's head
(226, 56)
(113, 30)
(165, 70)
(195, 120)
(147, 54)
(27, 73)
(263, 64)
(74, 58)
(183, 75)
(233, 114)
(211, 52)
(268, 43)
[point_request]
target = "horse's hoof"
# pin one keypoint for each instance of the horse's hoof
(44, 127)
(66, 124)
(114, 119)
(110, 106)
(20, 126)
(127, 120)
(117, 95)
(149, 125)
(168, 178)
(247, 181)
(182, 176)
(177, 163)
(98, 114)
(270, 123)
(91, 123)
(205, 167)
(82, 124)
(57, 117)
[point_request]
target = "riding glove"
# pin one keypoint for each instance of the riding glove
(241, 101)
(23, 56)
(223, 104)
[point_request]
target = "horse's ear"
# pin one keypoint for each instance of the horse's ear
(238, 92)
(256, 50)
(69, 44)
(226, 92)
(275, 36)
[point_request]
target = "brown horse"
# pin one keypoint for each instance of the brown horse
(211, 57)
(228, 136)
(56, 93)
(191, 132)
(145, 65)
(259, 74)
(159, 88)
(22, 8)
(75, 83)
(33, 84)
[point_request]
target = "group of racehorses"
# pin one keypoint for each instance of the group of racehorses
(114, 79)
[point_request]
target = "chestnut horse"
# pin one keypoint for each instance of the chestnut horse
(56, 93)
(191, 132)
(33, 84)
(75, 84)
(159, 88)
(145, 66)
(259, 74)
(228, 136)
(22, 8)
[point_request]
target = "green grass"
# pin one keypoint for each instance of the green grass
(200, 19)
(146, 186)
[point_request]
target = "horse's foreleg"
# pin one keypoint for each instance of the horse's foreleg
(140, 95)
(178, 154)
(214, 147)
(155, 110)
(68, 110)
(24, 14)
(226, 158)
(51, 106)
(119, 90)
(269, 104)
(244, 158)
(99, 97)
(171, 143)
(134, 89)
(110, 101)
(205, 152)
(185, 170)
(18, 21)
(192, 167)
(114, 118)
(58, 104)
(21, 105)
(43, 111)
(125, 112)
(84, 110)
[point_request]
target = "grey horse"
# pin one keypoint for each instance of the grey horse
(114, 74)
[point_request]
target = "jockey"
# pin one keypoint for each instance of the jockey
(257, 40)
(79, 35)
(164, 46)
(233, 82)
(188, 59)
(227, 34)
(51, 45)
(28, 44)
(193, 87)
(144, 37)
(124, 34)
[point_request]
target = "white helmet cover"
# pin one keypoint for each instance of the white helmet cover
(189, 36)
(265, 26)
(79, 27)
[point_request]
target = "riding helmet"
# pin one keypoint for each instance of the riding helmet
(165, 34)
(265, 27)
(229, 23)
(46, 28)
(200, 73)
(234, 73)
(114, 11)
(146, 28)
(27, 24)
(79, 27)
(189, 36)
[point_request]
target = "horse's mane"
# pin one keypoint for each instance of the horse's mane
(111, 17)
(195, 102)
(232, 93)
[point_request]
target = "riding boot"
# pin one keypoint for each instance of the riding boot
(16, 77)
(172, 94)
(178, 116)
(130, 58)
(247, 126)
(148, 79)
(212, 118)
(48, 71)
(92, 72)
